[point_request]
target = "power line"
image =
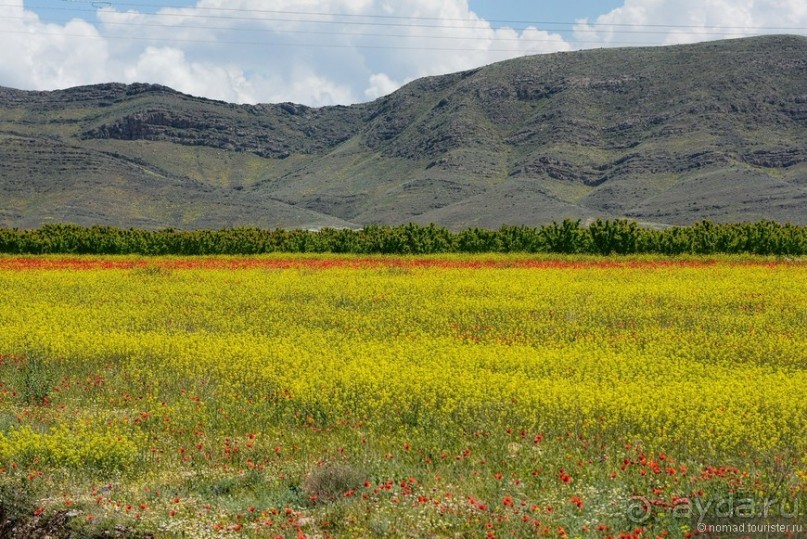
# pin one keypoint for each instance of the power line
(273, 44)
(331, 45)
(491, 37)
(504, 21)
(524, 23)
(370, 34)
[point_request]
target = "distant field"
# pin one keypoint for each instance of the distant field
(452, 396)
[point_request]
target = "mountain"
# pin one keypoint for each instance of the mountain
(663, 135)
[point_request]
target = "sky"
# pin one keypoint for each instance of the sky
(327, 52)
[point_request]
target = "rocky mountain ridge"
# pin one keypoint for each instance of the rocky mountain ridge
(666, 135)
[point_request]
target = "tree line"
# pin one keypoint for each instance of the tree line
(602, 237)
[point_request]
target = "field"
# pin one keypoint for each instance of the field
(452, 396)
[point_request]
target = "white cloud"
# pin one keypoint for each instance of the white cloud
(259, 51)
(380, 85)
(168, 66)
(321, 59)
(352, 50)
(303, 85)
(690, 21)
(36, 55)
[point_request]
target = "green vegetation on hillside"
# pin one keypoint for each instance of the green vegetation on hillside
(664, 135)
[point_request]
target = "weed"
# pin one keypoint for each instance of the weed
(332, 481)
(36, 380)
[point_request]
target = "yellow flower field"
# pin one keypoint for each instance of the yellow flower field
(446, 397)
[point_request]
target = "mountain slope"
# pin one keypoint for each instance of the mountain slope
(665, 135)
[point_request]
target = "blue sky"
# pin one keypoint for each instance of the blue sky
(322, 52)
(536, 10)
(494, 10)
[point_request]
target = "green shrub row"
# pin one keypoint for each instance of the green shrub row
(600, 237)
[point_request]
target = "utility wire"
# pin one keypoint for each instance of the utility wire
(279, 44)
(331, 45)
(369, 34)
(474, 23)
(479, 25)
